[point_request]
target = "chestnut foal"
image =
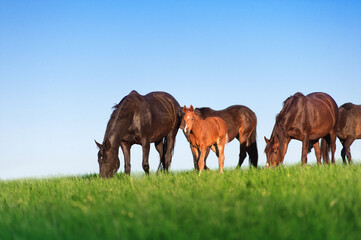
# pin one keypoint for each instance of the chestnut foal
(208, 133)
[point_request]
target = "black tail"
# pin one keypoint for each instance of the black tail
(252, 148)
(325, 149)
(161, 166)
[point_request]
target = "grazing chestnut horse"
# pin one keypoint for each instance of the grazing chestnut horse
(348, 128)
(153, 118)
(209, 132)
(241, 124)
(305, 118)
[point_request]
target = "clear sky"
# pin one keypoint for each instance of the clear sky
(64, 64)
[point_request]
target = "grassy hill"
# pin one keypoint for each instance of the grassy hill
(285, 203)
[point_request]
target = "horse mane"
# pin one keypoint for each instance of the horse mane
(117, 109)
(286, 105)
(279, 129)
(347, 106)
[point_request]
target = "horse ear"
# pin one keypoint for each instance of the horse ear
(184, 108)
(192, 109)
(98, 144)
(267, 140)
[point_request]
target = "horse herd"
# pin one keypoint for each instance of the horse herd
(157, 116)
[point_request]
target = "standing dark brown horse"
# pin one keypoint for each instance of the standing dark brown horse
(153, 118)
(207, 133)
(241, 124)
(305, 118)
(348, 128)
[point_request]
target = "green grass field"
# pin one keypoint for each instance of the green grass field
(296, 202)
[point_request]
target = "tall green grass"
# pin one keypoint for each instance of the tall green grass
(283, 203)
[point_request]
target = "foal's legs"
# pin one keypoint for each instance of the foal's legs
(195, 155)
(221, 156)
(206, 156)
(201, 158)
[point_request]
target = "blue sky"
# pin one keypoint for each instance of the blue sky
(64, 64)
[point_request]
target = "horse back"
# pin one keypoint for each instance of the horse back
(216, 126)
(325, 108)
(349, 121)
(315, 115)
(163, 107)
(153, 115)
(235, 117)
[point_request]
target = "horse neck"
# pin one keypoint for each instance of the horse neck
(283, 138)
(117, 128)
(198, 124)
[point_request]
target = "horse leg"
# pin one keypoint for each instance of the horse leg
(145, 163)
(346, 146)
(201, 159)
(305, 144)
(160, 149)
(316, 146)
(220, 147)
(170, 146)
(126, 152)
(242, 154)
(206, 156)
(343, 151)
(195, 155)
(333, 136)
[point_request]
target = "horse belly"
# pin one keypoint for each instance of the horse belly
(357, 124)
(322, 123)
(358, 131)
(160, 129)
(320, 131)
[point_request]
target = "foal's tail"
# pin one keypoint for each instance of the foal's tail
(251, 148)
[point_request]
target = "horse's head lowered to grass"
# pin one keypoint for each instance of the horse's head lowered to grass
(108, 159)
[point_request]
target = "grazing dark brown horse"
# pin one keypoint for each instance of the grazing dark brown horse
(241, 124)
(305, 118)
(209, 132)
(153, 118)
(348, 128)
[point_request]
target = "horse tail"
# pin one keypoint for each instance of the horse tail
(251, 148)
(325, 149)
(161, 166)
